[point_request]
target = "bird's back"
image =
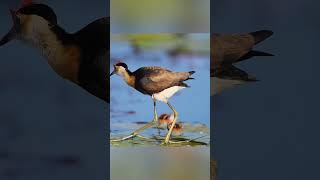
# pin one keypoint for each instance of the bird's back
(94, 44)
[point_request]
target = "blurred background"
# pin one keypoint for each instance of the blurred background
(150, 16)
(160, 163)
(49, 127)
(269, 129)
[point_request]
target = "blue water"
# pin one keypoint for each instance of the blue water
(193, 104)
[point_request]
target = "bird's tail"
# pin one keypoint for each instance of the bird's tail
(253, 53)
(190, 73)
(261, 35)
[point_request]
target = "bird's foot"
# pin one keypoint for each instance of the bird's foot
(164, 144)
(166, 141)
(124, 138)
(137, 132)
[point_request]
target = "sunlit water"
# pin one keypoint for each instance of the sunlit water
(129, 106)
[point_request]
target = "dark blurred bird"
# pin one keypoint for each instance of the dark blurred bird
(80, 57)
(228, 49)
(157, 82)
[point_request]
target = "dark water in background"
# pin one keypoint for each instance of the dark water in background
(269, 130)
(191, 103)
(43, 117)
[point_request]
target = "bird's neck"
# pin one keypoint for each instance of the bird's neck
(50, 40)
(129, 78)
(56, 46)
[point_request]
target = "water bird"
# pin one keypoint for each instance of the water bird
(228, 49)
(81, 57)
(159, 83)
(177, 129)
(167, 120)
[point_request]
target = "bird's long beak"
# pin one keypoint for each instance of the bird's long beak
(13, 32)
(113, 72)
(8, 37)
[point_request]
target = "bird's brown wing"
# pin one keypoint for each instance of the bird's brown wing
(150, 80)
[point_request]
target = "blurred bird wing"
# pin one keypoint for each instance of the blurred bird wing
(231, 72)
(230, 48)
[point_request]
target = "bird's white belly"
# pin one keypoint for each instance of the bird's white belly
(165, 95)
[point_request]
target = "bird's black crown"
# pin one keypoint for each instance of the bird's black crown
(122, 64)
(41, 10)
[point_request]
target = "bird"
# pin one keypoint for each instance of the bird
(177, 129)
(167, 120)
(81, 57)
(159, 83)
(228, 49)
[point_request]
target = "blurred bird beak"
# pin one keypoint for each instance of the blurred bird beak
(8, 37)
(12, 33)
(113, 72)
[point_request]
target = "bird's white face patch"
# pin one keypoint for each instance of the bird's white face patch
(34, 28)
(121, 71)
(165, 95)
(36, 31)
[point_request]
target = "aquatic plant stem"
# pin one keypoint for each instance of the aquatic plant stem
(148, 125)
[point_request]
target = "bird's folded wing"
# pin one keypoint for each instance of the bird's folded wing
(157, 82)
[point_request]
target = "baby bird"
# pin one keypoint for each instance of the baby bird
(177, 129)
(167, 120)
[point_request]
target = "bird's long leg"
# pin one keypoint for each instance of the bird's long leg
(175, 114)
(148, 125)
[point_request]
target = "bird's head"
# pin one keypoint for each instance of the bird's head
(29, 21)
(120, 68)
(165, 119)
